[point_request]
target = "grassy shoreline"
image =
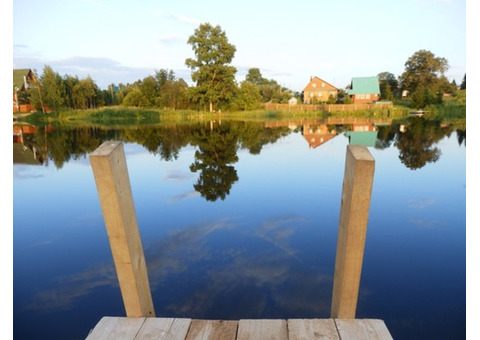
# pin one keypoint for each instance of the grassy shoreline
(137, 116)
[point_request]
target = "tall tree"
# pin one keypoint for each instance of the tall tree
(162, 76)
(53, 88)
(423, 70)
(211, 72)
(255, 76)
(69, 84)
(85, 94)
(172, 92)
(149, 89)
(248, 97)
(387, 79)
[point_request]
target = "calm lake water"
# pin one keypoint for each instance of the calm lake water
(240, 220)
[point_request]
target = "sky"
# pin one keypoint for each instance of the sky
(124, 41)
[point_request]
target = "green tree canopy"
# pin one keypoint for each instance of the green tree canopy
(85, 94)
(388, 85)
(172, 92)
(53, 90)
(463, 86)
(248, 97)
(423, 70)
(211, 72)
(254, 76)
(149, 90)
(135, 98)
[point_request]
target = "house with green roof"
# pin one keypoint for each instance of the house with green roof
(23, 79)
(364, 90)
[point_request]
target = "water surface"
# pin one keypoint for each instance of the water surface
(240, 220)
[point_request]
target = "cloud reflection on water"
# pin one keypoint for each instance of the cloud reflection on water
(216, 269)
(222, 270)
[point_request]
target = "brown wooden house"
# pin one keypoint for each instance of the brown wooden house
(318, 91)
(23, 79)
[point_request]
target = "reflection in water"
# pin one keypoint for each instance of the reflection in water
(236, 279)
(237, 257)
(63, 297)
(416, 143)
(217, 143)
(316, 135)
(217, 149)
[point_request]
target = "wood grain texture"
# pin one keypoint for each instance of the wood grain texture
(362, 329)
(212, 329)
(311, 329)
(116, 200)
(262, 329)
(352, 230)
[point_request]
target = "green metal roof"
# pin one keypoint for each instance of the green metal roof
(18, 77)
(367, 138)
(364, 85)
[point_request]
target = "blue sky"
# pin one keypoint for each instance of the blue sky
(123, 41)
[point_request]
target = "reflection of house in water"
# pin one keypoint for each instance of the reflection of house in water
(363, 134)
(317, 134)
(23, 151)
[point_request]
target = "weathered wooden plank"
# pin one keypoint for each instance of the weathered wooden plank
(309, 329)
(212, 329)
(140, 328)
(115, 328)
(164, 329)
(113, 186)
(362, 329)
(352, 230)
(102, 328)
(262, 329)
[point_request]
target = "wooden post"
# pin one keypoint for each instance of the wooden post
(113, 186)
(352, 230)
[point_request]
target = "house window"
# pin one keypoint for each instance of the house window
(311, 94)
(323, 84)
(367, 96)
(314, 85)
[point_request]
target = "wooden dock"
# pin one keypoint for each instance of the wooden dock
(141, 328)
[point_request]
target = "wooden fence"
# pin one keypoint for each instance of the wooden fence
(327, 107)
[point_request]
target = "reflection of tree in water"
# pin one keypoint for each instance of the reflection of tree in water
(165, 141)
(415, 144)
(385, 137)
(462, 137)
(218, 146)
(217, 149)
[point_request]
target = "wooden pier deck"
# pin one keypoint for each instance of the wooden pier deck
(141, 328)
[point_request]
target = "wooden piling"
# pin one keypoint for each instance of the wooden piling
(352, 230)
(113, 186)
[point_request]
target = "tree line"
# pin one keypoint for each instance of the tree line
(423, 82)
